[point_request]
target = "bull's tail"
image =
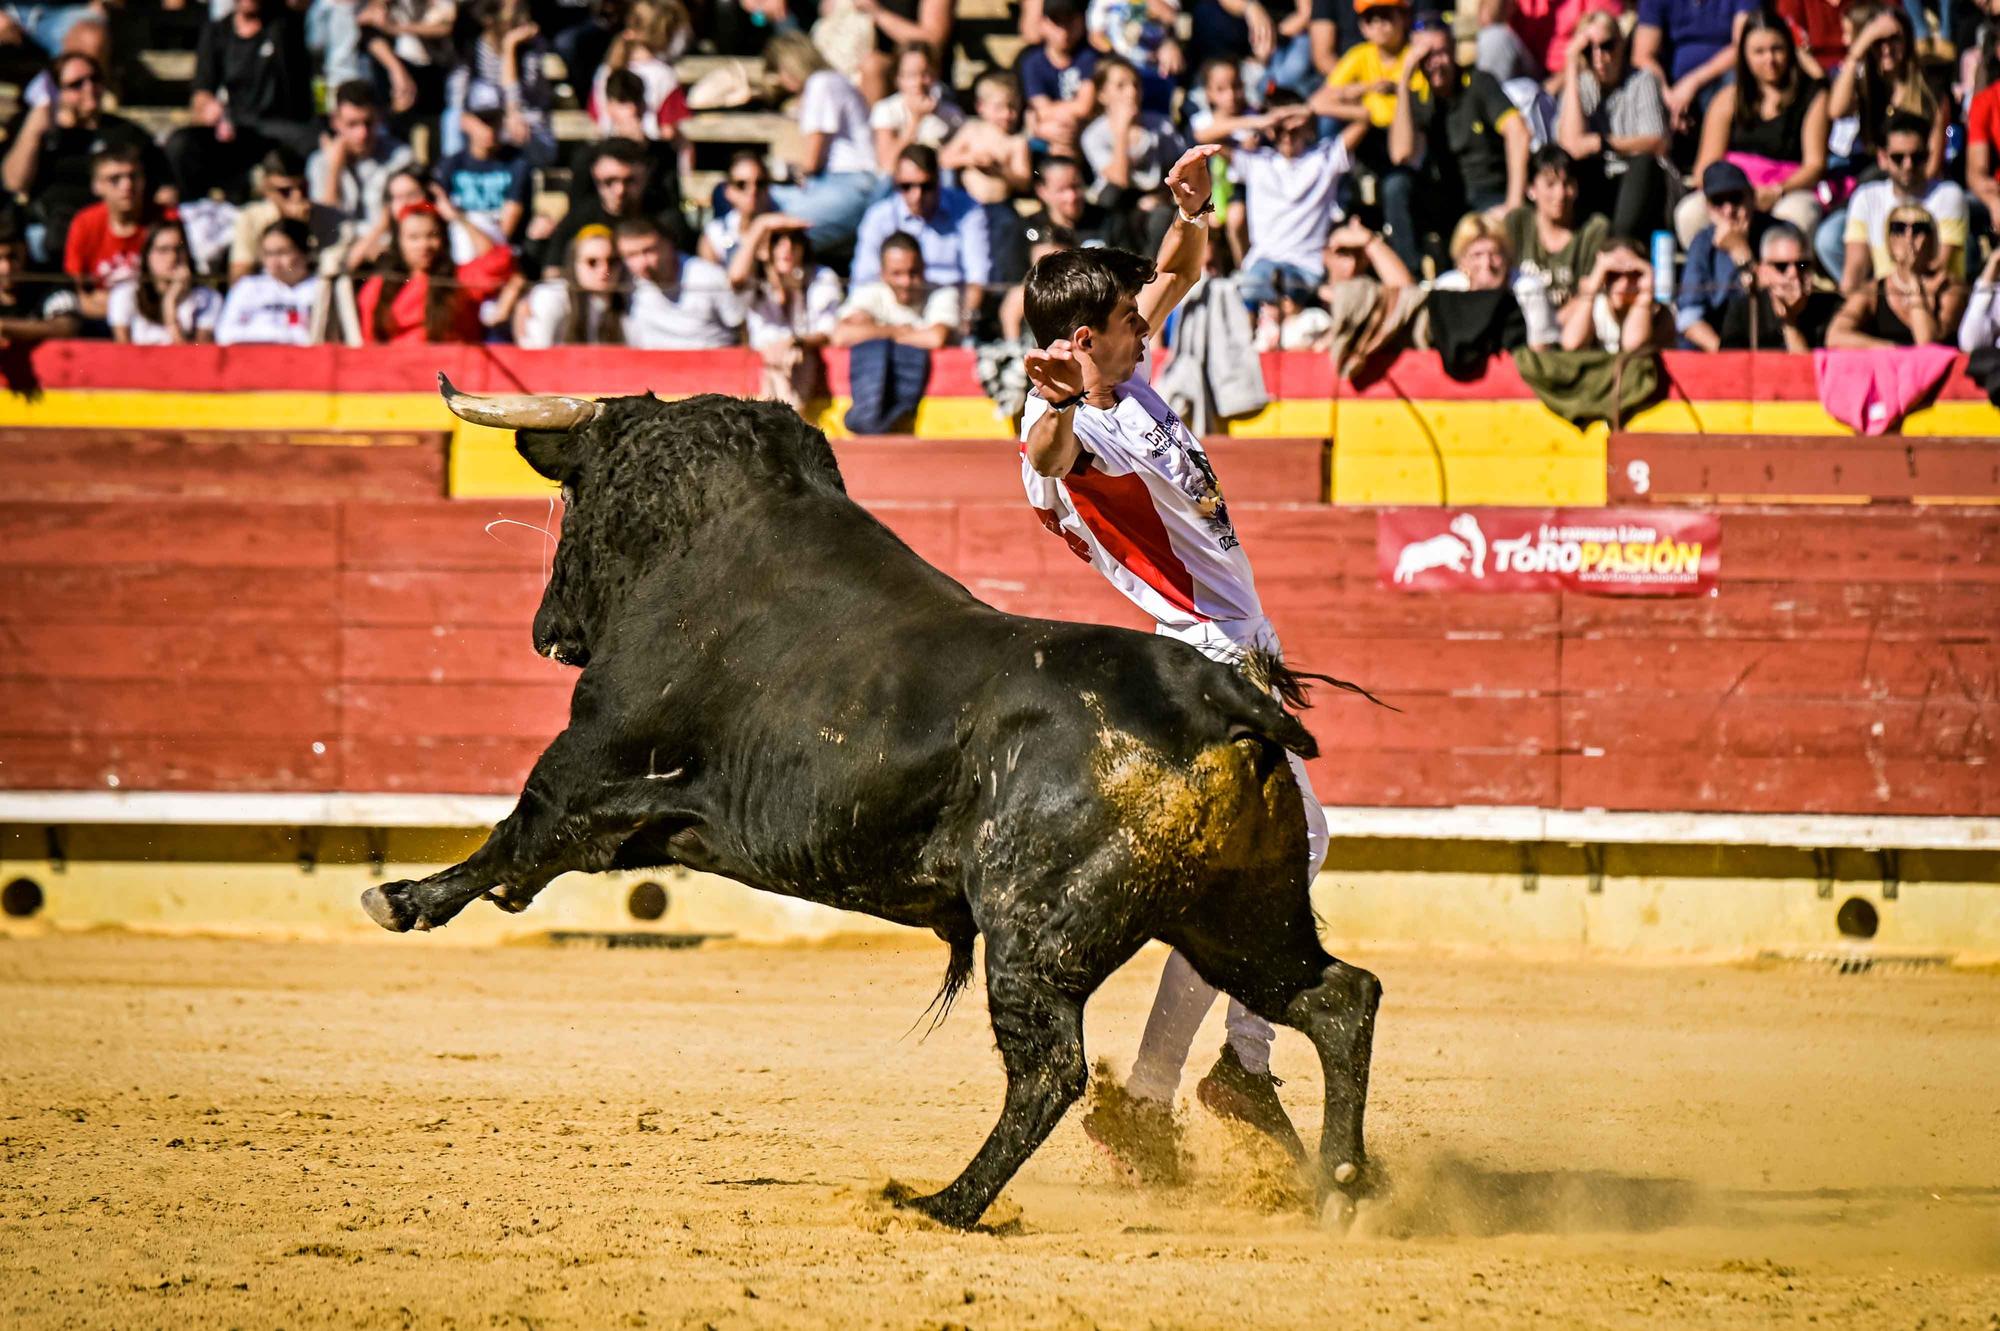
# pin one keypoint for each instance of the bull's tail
(1267, 670)
(957, 974)
(1272, 692)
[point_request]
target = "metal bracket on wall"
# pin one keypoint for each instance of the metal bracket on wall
(1531, 876)
(1823, 870)
(56, 841)
(1593, 863)
(377, 839)
(308, 849)
(1891, 862)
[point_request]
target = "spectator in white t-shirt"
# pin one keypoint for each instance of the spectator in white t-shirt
(351, 169)
(1905, 164)
(275, 304)
(835, 159)
(746, 186)
(679, 303)
(900, 306)
(586, 306)
(163, 306)
(920, 110)
(1292, 192)
(793, 307)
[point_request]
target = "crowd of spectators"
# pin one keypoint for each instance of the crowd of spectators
(1698, 173)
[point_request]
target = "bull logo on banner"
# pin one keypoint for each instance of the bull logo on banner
(1609, 552)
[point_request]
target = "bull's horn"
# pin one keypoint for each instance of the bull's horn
(519, 411)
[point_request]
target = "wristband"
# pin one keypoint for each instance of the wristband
(1199, 217)
(1067, 402)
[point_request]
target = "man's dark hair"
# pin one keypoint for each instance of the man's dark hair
(1062, 11)
(357, 93)
(742, 155)
(921, 156)
(1280, 98)
(1775, 233)
(634, 228)
(1625, 245)
(1075, 289)
(281, 161)
(628, 151)
(902, 240)
(622, 85)
(124, 154)
(11, 231)
(1903, 122)
(61, 58)
(1552, 157)
(1062, 159)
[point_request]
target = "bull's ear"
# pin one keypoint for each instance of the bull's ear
(549, 452)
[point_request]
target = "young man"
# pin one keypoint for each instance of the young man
(679, 302)
(1117, 475)
(1905, 178)
(104, 241)
(900, 304)
(282, 182)
(351, 168)
(489, 179)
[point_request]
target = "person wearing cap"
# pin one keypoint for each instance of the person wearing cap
(1361, 90)
(1459, 145)
(1717, 255)
(1772, 121)
(351, 169)
(488, 179)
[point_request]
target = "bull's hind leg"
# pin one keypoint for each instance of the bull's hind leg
(1036, 984)
(562, 823)
(1279, 971)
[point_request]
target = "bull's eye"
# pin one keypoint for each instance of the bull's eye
(568, 493)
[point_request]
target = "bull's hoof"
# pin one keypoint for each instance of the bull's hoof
(389, 906)
(1342, 1192)
(503, 898)
(936, 1206)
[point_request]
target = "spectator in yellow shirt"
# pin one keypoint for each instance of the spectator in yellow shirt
(1361, 90)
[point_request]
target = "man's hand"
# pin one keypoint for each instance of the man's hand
(1263, 34)
(1188, 181)
(1054, 371)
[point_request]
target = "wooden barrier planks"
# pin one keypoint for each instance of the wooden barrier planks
(1711, 469)
(84, 464)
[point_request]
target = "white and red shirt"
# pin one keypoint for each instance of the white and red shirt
(1143, 507)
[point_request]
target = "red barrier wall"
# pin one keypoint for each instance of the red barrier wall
(297, 637)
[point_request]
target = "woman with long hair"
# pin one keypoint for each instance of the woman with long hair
(503, 53)
(584, 307)
(792, 308)
(163, 305)
(656, 33)
(417, 294)
(1772, 123)
(835, 158)
(278, 303)
(1880, 77)
(1918, 304)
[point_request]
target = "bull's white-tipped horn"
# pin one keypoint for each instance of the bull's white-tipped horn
(519, 411)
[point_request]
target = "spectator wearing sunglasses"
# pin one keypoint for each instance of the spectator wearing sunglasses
(1613, 121)
(949, 228)
(281, 185)
(1719, 252)
(1779, 310)
(49, 160)
(1918, 303)
(746, 201)
(1905, 163)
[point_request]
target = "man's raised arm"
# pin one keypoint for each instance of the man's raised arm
(1185, 249)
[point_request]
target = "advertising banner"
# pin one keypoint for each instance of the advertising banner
(1605, 551)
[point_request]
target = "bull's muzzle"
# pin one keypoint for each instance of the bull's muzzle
(520, 411)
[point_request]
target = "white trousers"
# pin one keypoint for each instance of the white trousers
(1184, 998)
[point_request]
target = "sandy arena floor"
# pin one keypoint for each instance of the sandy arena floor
(201, 1132)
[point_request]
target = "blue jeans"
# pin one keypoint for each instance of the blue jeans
(48, 26)
(1829, 245)
(1259, 281)
(832, 203)
(1921, 22)
(331, 31)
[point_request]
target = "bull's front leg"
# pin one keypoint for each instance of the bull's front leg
(562, 823)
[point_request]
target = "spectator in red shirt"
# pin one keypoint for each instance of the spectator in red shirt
(419, 295)
(1820, 28)
(1982, 134)
(107, 238)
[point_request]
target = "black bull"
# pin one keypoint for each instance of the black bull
(776, 689)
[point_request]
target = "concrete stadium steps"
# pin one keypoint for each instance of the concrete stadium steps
(382, 646)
